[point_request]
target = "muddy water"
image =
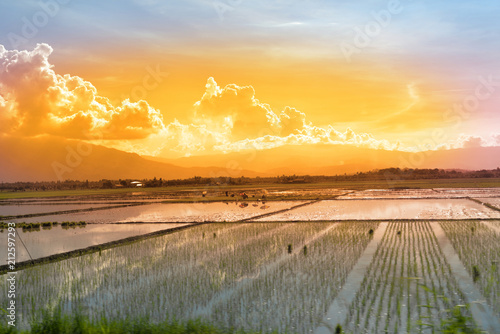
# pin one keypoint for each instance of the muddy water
(423, 193)
(470, 192)
(495, 201)
(387, 209)
(27, 209)
(387, 193)
(178, 212)
(58, 240)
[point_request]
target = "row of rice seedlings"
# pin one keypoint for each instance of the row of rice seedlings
(163, 278)
(294, 294)
(67, 225)
(391, 298)
(33, 227)
(478, 247)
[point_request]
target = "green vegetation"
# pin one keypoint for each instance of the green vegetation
(160, 275)
(32, 227)
(456, 319)
(204, 187)
(182, 194)
(407, 258)
(457, 322)
(67, 225)
(62, 324)
(479, 252)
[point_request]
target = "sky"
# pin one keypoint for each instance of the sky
(197, 77)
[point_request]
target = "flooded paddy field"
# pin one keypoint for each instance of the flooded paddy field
(286, 277)
(492, 201)
(292, 266)
(422, 193)
(470, 192)
(31, 209)
(173, 212)
(386, 209)
(47, 242)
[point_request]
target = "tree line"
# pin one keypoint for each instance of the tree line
(374, 175)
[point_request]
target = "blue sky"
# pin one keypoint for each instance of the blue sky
(439, 48)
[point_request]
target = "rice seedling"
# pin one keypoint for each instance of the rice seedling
(269, 277)
(184, 276)
(389, 299)
(479, 252)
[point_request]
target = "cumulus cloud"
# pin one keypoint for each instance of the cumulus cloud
(234, 110)
(310, 135)
(472, 141)
(496, 138)
(469, 141)
(188, 139)
(36, 100)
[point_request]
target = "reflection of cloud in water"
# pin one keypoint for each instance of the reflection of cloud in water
(171, 212)
(388, 209)
(28, 209)
(198, 212)
(423, 193)
(57, 240)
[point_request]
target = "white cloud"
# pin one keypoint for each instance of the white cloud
(36, 100)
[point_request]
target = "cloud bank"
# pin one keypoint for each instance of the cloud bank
(35, 100)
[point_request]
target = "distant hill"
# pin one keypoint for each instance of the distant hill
(43, 159)
(321, 159)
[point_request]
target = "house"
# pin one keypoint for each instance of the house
(136, 184)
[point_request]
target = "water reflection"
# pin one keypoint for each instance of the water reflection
(58, 240)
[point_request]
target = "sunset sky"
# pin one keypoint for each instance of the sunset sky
(196, 77)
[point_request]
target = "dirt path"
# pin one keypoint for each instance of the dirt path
(481, 311)
(337, 312)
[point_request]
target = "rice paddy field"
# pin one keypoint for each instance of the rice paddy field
(368, 261)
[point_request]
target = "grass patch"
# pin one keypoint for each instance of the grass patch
(352, 185)
(63, 324)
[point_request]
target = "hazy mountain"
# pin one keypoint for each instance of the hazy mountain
(45, 159)
(323, 159)
(52, 158)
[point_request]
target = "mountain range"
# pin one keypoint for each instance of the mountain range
(52, 158)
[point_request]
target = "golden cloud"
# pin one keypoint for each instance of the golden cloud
(234, 110)
(35, 100)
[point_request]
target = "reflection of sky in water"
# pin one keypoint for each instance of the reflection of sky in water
(58, 240)
(26, 209)
(174, 212)
(388, 209)
(424, 193)
(493, 201)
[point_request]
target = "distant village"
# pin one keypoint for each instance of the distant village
(375, 175)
